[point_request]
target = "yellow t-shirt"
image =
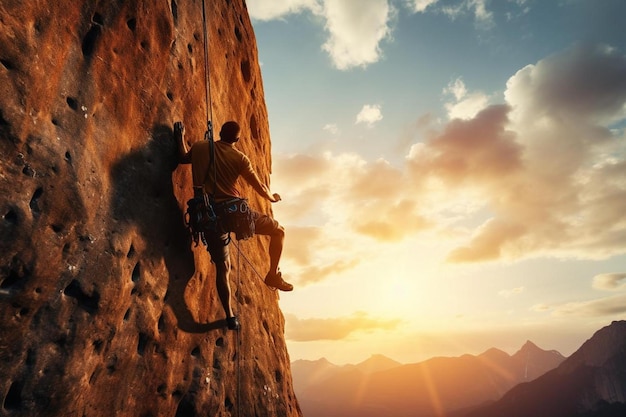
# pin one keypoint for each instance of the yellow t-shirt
(230, 163)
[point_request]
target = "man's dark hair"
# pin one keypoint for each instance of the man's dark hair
(230, 131)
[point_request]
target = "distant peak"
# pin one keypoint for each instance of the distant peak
(320, 361)
(494, 352)
(377, 362)
(378, 358)
(529, 345)
(324, 362)
(529, 348)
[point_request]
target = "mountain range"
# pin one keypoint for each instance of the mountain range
(532, 382)
(591, 382)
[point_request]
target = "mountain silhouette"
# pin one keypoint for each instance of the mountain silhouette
(375, 363)
(590, 383)
(429, 388)
(308, 373)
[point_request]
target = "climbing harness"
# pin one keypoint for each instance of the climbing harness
(199, 218)
(236, 217)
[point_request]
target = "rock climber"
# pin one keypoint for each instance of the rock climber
(219, 181)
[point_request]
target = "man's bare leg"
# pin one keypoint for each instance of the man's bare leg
(276, 250)
(274, 278)
(222, 282)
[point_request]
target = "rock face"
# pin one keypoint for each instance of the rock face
(106, 307)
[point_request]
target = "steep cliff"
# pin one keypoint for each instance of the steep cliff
(106, 307)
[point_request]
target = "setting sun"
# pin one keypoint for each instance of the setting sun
(440, 189)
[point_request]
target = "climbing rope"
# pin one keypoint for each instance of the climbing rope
(209, 137)
(207, 75)
(237, 349)
(248, 261)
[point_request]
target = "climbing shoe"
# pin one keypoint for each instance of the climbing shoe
(233, 323)
(276, 282)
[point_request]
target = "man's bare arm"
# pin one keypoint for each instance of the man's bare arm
(184, 155)
(274, 198)
(259, 187)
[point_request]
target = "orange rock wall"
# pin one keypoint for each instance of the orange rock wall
(106, 307)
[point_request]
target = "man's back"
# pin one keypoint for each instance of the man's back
(229, 165)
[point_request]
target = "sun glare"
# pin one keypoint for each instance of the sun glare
(399, 293)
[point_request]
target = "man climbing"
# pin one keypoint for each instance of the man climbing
(215, 171)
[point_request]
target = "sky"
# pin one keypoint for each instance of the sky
(453, 172)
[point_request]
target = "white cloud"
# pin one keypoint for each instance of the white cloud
(465, 105)
(456, 88)
(582, 85)
(611, 282)
(369, 114)
(544, 170)
(419, 6)
(613, 306)
(468, 107)
(276, 9)
(457, 9)
(480, 10)
(356, 28)
(568, 192)
(609, 306)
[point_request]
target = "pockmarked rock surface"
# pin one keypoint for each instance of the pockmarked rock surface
(106, 306)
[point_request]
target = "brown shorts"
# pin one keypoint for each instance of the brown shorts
(217, 244)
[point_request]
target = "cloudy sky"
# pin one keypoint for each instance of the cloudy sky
(453, 172)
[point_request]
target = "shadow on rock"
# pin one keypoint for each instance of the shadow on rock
(143, 196)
